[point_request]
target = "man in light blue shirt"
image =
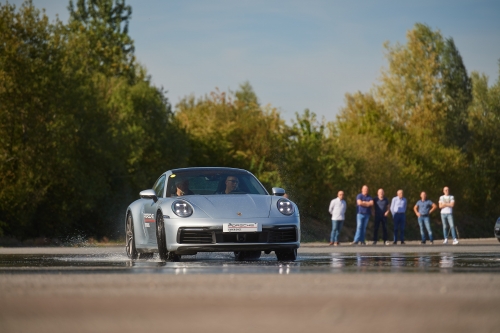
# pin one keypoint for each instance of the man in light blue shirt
(398, 210)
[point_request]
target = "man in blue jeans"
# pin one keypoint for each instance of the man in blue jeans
(398, 210)
(446, 203)
(363, 206)
(423, 209)
(337, 209)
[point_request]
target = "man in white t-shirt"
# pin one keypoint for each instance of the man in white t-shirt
(446, 203)
(337, 209)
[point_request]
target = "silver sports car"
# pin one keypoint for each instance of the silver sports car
(194, 210)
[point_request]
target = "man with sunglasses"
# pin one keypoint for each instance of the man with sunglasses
(231, 184)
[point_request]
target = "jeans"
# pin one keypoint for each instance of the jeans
(427, 221)
(336, 227)
(361, 223)
(378, 220)
(399, 225)
(449, 218)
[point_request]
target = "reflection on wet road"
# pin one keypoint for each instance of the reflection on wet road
(224, 263)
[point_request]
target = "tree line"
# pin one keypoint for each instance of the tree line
(83, 129)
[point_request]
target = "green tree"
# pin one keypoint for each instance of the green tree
(77, 141)
(99, 36)
(235, 132)
(426, 90)
(458, 95)
(483, 148)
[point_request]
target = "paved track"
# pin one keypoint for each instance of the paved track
(353, 302)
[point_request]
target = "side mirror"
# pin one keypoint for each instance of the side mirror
(148, 194)
(278, 191)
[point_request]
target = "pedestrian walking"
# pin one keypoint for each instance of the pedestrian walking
(380, 211)
(398, 210)
(363, 206)
(337, 209)
(423, 209)
(447, 203)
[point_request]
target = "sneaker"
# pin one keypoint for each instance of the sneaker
(445, 241)
(354, 243)
(336, 244)
(422, 242)
(331, 243)
(431, 243)
(394, 243)
(363, 243)
(455, 241)
(374, 243)
(403, 243)
(387, 243)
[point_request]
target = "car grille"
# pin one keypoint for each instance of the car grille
(282, 234)
(193, 236)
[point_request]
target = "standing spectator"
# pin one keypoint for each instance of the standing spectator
(446, 203)
(398, 210)
(380, 211)
(337, 209)
(423, 208)
(364, 203)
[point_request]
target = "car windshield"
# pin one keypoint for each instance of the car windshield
(213, 182)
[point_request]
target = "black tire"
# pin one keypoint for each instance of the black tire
(286, 255)
(146, 256)
(247, 255)
(161, 240)
(130, 238)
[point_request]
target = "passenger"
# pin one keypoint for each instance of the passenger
(423, 209)
(398, 210)
(363, 203)
(337, 209)
(182, 188)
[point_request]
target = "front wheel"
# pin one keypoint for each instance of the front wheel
(161, 240)
(130, 239)
(286, 255)
(146, 256)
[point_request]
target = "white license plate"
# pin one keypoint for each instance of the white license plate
(241, 227)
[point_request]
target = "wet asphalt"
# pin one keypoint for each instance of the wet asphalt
(411, 288)
(475, 256)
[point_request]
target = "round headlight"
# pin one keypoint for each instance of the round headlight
(285, 207)
(182, 208)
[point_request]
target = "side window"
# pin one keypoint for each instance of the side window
(170, 188)
(159, 186)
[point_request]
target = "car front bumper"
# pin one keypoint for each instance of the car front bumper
(188, 236)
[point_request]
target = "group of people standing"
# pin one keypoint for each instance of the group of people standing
(379, 208)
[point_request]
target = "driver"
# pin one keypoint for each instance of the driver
(182, 188)
(231, 184)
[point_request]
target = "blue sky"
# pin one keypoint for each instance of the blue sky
(296, 54)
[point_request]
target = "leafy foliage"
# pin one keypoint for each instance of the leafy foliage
(234, 130)
(77, 139)
(82, 129)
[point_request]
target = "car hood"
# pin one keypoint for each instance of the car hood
(231, 206)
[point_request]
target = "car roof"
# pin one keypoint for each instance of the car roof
(210, 169)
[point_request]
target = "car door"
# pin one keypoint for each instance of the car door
(149, 210)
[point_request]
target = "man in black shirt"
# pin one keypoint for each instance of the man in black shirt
(380, 210)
